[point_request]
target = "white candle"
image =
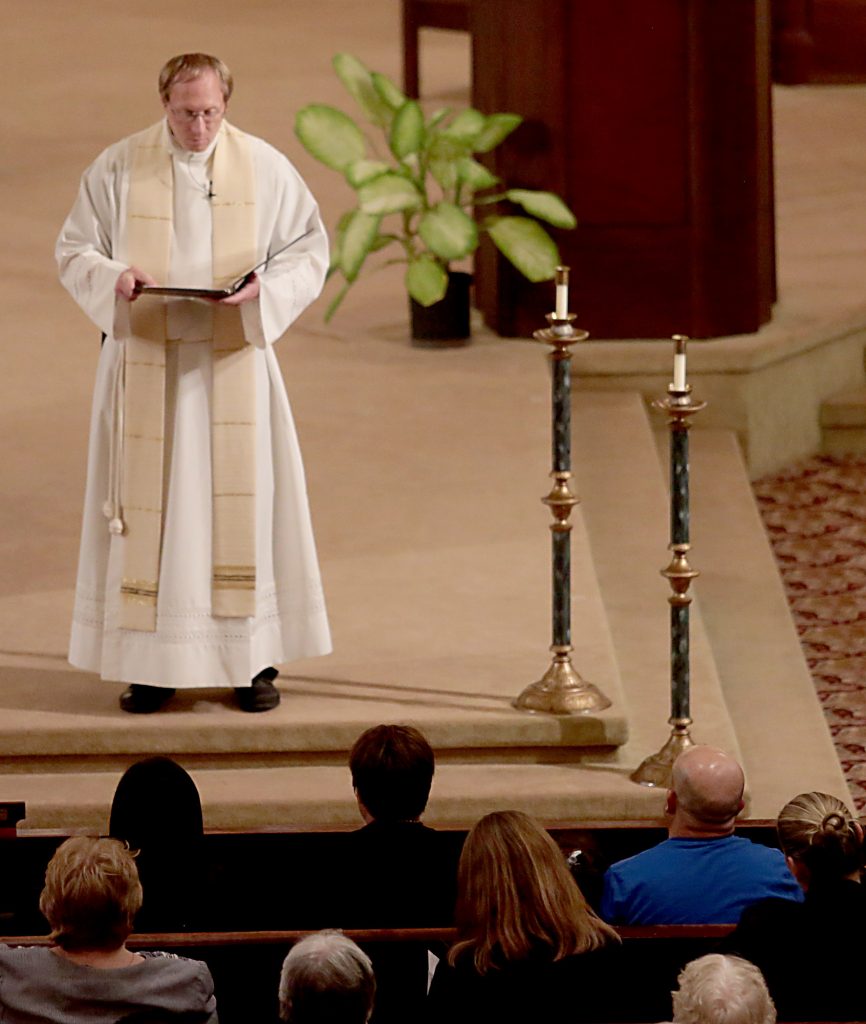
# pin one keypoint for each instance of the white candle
(680, 362)
(561, 293)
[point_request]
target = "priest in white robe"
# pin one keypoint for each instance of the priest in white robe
(197, 565)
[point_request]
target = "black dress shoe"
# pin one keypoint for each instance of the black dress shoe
(262, 695)
(140, 699)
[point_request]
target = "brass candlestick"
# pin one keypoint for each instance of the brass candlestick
(656, 769)
(561, 690)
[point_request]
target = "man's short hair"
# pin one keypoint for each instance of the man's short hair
(326, 979)
(190, 65)
(719, 989)
(92, 894)
(392, 770)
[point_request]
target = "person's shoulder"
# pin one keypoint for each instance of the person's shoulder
(117, 153)
(8, 952)
(172, 963)
(261, 148)
(591, 961)
(773, 916)
(757, 852)
(182, 974)
(186, 984)
(398, 833)
(638, 861)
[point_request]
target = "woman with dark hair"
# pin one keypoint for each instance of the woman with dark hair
(811, 953)
(91, 896)
(528, 946)
(156, 811)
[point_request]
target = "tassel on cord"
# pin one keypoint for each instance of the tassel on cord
(112, 509)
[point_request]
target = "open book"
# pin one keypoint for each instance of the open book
(215, 293)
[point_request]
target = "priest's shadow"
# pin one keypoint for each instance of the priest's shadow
(392, 692)
(66, 691)
(578, 729)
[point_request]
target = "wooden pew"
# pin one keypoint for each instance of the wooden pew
(246, 964)
(269, 878)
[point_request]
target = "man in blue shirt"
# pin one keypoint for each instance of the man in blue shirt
(702, 873)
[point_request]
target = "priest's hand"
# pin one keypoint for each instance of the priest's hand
(129, 281)
(249, 292)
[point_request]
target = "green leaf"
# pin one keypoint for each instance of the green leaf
(388, 193)
(448, 147)
(380, 241)
(444, 172)
(474, 174)
(496, 128)
(426, 280)
(448, 232)
(330, 135)
(407, 130)
(357, 242)
(335, 302)
(466, 125)
(437, 117)
(544, 205)
(362, 171)
(526, 244)
(337, 246)
(394, 97)
(359, 83)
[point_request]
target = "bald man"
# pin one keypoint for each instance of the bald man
(702, 873)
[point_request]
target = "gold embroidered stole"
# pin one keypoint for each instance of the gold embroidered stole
(149, 228)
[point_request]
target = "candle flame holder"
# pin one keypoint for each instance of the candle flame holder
(656, 770)
(561, 690)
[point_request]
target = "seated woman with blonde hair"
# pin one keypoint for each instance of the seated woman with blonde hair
(528, 946)
(90, 899)
(811, 953)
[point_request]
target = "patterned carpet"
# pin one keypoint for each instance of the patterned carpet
(815, 514)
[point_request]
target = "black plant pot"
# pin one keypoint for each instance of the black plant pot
(445, 324)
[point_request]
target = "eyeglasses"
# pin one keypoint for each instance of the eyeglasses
(208, 116)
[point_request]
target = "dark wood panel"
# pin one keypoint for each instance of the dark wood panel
(819, 41)
(652, 119)
(628, 100)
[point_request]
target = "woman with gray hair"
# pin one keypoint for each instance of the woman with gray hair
(812, 953)
(326, 979)
(719, 989)
(89, 975)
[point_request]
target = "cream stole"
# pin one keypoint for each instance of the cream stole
(149, 228)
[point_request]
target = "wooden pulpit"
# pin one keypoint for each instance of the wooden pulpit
(652, 118)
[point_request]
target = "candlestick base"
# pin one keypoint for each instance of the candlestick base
(657, 769)
(561, 690)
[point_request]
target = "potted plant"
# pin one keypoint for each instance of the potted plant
(416, 191)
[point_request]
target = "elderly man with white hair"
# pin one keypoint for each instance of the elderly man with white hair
(327, 977)
(702, 873)
(719, 989)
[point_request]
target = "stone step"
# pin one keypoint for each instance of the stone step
(65, 743)
(765, 678)
(843, 423)
(320, 796)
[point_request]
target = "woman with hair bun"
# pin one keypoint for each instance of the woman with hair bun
(811, 953)
(528, 946)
